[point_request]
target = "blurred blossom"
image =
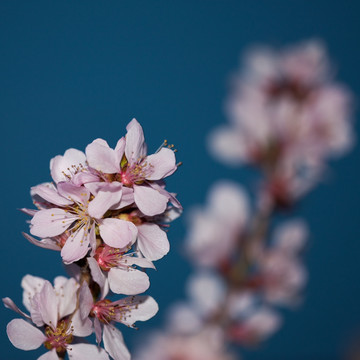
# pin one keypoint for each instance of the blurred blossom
(286, 114)
(206, 291)
(214, 231)
(208, 344)
(257, 327)
(282, 274)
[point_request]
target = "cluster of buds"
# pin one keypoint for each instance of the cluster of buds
(105, 212)
(287, 118)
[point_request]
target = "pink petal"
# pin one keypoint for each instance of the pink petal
(109, 194)
(30, 212)
(31, 285)
(84, 177)
(66, 291)
(98, 275)
(86, 351)
(139, 261)
(50, 355)
(146, 309)
(86, 300)
(50, 222)
(102, 158)
(8, 303)
(128, 281)
(120, 147)
(135, 148)
(149, 201)
(76, 246)
(126, 199)
(23, 335)
(152, 241)
(44, 306)
(162, 164)
(170, 196)
(114, 343)
(79, 194)
(118, 233)
(92, 239)
(81, 327)
(98, 330)
(50, 195)
(65, 164)
(44, 243)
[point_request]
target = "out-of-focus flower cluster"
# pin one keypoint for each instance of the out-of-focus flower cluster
(287, 118)
(106, 211)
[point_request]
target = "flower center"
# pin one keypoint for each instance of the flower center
(135, 173)
(118, 311)
(60, 337)
(104, 311)
(108, 257)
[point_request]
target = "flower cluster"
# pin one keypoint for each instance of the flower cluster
(106, 212)
(287, 118)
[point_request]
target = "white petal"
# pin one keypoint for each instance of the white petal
(108, 195)
(79, 194)
(66, 291)
(23, 335)
(65, 164)
(146, 309)
(50, 355)
(135, 147)
(81, 327)
(139, 261)
(97, 275)
(162, 164)
(86, 300)
(118, 233)
(149, 201)
(31, 285)
(50, 194)
(102, 158)
(152, 241)
(43, 243)
(44, 306)
(76, 246)
(8, 303)
(86, 351)
(128, 281)
(114, 343)
(98, 330)
(51, 222)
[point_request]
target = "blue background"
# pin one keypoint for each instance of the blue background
(72, 71)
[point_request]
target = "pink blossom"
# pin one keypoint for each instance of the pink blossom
(75, 217)
(115, 268)
(71, 167)
(105, 313)
(129, 164)
(54, 309)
